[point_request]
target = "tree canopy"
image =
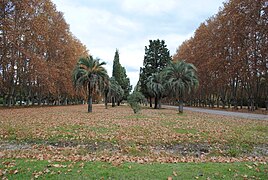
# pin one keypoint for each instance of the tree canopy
(230, 53)
(38, 53)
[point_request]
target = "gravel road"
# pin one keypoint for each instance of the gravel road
(225, 113)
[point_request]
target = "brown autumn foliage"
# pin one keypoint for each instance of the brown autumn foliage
(38, 53)
(230, 53)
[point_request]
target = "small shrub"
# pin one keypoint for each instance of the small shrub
(134, 101)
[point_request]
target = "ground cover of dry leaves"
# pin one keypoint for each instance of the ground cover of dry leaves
(116, 135)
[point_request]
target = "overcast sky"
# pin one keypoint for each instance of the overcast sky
(128, 25)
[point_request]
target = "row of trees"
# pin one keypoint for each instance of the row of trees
(37, 54)
(162, 78)
(230, 51)
(91, 76)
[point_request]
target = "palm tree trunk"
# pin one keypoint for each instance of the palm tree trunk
(180, 105)
(155, 102)
(106, 100)
(159, 104)
(113, 101)
(89, 109)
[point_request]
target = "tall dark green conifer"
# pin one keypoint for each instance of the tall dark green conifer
(119, 73)
(117, 67)
(156, 58)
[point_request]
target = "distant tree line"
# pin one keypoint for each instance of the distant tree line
(230, 51)
(37, 54)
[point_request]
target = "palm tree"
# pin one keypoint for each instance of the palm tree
(116, 91)
(89, 72)
(156, 86)
(182, 78)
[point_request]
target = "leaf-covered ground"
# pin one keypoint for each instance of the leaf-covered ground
(116, 135)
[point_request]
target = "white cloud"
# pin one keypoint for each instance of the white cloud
(129, 25)
(150, 7)
(95, 27)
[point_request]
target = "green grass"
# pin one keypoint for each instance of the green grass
(27, 169)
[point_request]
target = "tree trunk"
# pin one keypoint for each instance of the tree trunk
(256, 104)
(27, 101)
(20, 99)
(113, 101)
(14, 100)
(59, 100)
(180, 105)
(151, 105)
(106, 100)
(66, 101)
(89, 103)
(252, 105)
(235, 104)
(39, 100)
(89, 109)
(4, 101)
(218, 102)
(155, 102)
(9, 102)
(159, 104)
(32, 101)
(212, 101)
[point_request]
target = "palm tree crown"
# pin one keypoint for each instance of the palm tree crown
(156, 86)
(91, 73)
(116, 91)
(182, 78)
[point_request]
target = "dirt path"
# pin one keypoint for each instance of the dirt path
(225, 113)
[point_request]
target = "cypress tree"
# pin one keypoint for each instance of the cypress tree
(119, 74)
